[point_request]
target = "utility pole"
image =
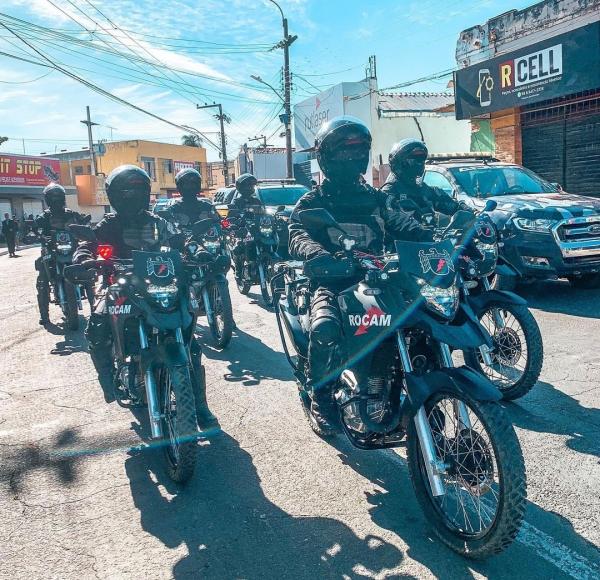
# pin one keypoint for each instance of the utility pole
(222, 120)
(90, 124)
(286, 118)
(262, 138)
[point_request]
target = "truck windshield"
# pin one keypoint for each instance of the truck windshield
(281, 195)
(492, 181)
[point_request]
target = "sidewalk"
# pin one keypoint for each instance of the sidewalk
(4, 251)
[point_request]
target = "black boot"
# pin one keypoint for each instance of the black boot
(206, 420)
(103, 365)
(324, 410)
(43, 304)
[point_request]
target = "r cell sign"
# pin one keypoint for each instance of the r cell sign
(558, 66)
(28, 171)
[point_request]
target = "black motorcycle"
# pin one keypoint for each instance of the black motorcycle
(205, 256)
(514, 362)
(153, 312)
(57, 254)
(254, 235)
(464, 458)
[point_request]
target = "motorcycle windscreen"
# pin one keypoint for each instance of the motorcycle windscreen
(433, 262)
(64, 238)
(157, 268)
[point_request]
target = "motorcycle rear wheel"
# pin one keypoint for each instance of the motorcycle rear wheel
(221, 327)
(242, 286)
(180, 432)
(265, 288)
(484, 476)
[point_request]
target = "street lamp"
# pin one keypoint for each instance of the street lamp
(261, 81)
(287, 117)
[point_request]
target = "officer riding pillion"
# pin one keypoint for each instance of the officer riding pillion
(342, 149)
(57, 217)
(131, 227)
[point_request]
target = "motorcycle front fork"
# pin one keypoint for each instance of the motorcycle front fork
(484, 349)
(433, 466)
(152, 396)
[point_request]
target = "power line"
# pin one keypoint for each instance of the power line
(102, 91)
(30, 81)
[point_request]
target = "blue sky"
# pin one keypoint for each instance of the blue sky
(216, 45)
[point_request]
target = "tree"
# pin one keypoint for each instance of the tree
(191, 140)
(3, 140)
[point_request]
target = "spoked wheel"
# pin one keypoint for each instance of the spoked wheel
(70, 311)
(221, 326)
(266, 273)
(178, 423)
(242, 286)
(518, 351)
(483, 473)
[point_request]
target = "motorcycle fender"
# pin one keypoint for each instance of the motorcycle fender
(171, 354)
(459, 380)
(480, 302)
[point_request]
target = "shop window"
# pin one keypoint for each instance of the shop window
(78, 170)
(167, 166)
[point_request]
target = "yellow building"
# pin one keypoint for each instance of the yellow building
(161, 161)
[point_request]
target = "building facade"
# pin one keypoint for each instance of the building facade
(215, 178)
(161, 161)
(534, 75)
(390, 118)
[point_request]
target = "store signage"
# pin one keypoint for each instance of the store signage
(558, 66)
(28, 171)
(179, 165)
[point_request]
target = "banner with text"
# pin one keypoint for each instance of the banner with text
(28, 171)
(558, 66)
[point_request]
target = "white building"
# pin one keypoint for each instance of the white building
(390, 118)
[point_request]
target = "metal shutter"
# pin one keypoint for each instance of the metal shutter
(583, 155)
(543, 150)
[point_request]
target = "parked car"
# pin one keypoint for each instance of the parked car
(546, 232)
(161, 204)
(223, 194)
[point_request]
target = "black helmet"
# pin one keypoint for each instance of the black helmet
(55, 197)
(246, 183)
(189, 183)
(128, 189)
(343, 146)
(407, 159)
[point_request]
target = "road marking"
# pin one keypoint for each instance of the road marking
(545, 546)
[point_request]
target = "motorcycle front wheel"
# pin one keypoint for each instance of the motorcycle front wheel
(265, 268)
(178, 413)
(70, 310)
(482, 508)
(221, 326)
(518, 352)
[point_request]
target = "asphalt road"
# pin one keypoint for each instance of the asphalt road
(269, 499)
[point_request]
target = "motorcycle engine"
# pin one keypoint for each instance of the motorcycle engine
(376, 407)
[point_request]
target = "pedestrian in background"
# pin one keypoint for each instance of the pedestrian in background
(10, 228)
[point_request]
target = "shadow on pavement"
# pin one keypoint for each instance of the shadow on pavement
(74, 340)
(395, 508)
(250, 360)
(560, 297)
(549, 410)
(231, 530)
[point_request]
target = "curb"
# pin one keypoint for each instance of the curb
(4, 252)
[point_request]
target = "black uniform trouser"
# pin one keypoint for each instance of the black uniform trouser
(324, 350)
(11, 242)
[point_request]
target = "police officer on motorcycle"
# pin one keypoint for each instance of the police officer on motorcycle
(342, 148)
(57, 217)
(190, 208)
(131, 227)
(246, 188)
(407, 192)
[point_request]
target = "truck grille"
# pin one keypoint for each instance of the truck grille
(570, 232)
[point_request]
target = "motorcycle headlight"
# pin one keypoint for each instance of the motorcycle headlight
(163, 295)
(64, 248)
(443, 301)
(266, 230)
(539, 225)
(212, 247)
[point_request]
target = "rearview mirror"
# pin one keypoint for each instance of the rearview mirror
(490, 205)
(318, 218)
(83, 233)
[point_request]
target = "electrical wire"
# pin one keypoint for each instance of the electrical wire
(30, 81)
